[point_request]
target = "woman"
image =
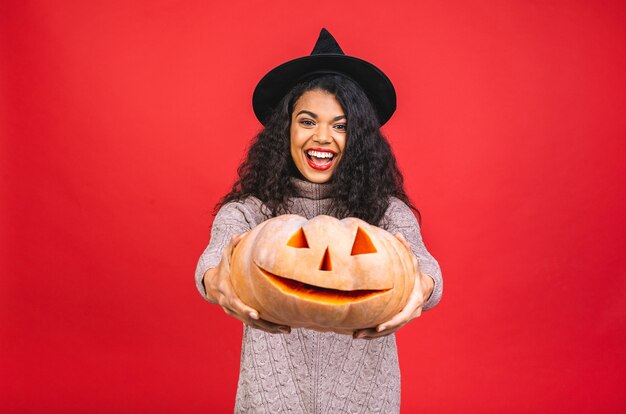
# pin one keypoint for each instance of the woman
(321, 152)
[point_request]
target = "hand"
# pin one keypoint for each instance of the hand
(422, 290)
(220, 290)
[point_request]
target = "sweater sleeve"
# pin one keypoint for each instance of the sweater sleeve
(400, 218)
(232, 219)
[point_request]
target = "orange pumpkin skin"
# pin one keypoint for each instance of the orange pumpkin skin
(324, 274)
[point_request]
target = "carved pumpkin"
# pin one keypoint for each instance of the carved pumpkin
(324, 274)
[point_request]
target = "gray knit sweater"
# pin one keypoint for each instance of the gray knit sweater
(308, 371)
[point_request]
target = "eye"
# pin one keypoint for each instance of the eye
(362, 243)
(307, 122)
(341, 127)
(298, 240)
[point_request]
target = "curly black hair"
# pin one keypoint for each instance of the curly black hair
(364, 180)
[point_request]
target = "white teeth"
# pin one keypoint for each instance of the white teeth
(319, 154)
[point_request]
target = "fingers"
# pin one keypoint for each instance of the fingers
(384, 329)
(344, 332)
(406, 244)
(400, 237)
(270, 327)
(412, 310)
(237, 309)
(230, 247)
(228, 299)
(258, 323)
(237, 238)
(402, 318)
(373, 333)
(389, 327)
(230, 302)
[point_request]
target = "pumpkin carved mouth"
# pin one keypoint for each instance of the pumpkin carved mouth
(317, 293)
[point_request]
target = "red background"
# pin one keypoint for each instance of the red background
(122, 124)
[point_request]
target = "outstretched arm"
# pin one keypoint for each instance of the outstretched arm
(399, 220)
(213, 270)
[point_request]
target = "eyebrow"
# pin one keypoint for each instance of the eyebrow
(314, 116)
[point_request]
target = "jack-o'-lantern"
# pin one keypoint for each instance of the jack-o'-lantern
(324, 274)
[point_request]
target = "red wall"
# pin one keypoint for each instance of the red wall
(122, 124)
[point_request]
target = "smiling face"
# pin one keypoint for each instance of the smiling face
(318, 135)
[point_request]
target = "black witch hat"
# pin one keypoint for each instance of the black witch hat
(326, 58)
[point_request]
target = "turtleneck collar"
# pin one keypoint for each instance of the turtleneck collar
(313, 191)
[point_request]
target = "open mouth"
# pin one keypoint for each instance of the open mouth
(320, 159)
(317, 293)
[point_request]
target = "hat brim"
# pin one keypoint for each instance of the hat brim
(279, 81)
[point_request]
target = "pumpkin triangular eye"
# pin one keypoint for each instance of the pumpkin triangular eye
(298, 240)
(326, 264)
(362, 243)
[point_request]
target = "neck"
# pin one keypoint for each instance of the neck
(314, 191)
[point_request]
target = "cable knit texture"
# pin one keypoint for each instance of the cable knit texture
(308, 371)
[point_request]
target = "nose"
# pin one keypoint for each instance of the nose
(323, 136)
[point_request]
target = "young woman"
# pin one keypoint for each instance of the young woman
(321, 152)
